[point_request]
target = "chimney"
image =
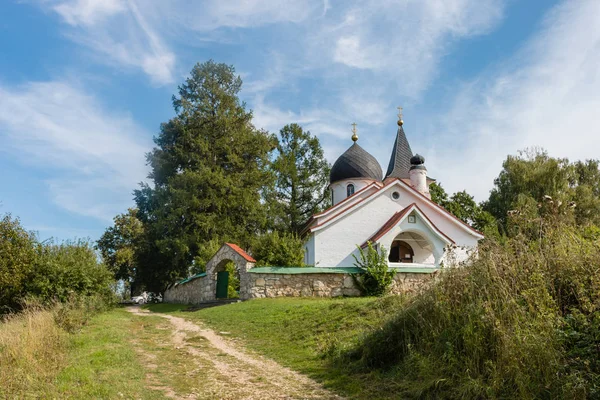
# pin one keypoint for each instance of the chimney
(418, 175)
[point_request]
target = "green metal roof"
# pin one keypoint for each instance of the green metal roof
(331, 270)
(191, 278)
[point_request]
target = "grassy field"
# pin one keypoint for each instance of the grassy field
(300, 333)
(116, 355)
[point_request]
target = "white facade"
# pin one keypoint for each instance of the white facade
(340, 189)
(335, 234)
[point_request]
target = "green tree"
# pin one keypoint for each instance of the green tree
(118, 246)
(532, 185)
(463, 206)
(301, 178)
(208, 170)
(531, 173)
(278, 250)
(17, 257)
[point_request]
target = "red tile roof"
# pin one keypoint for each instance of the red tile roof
(241, 252)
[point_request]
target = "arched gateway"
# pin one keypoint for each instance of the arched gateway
(212, 284)
(218, 277)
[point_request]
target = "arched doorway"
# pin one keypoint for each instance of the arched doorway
(401, 252)
(227, 276)
(413, 248)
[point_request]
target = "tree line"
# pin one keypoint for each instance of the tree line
(215, 177)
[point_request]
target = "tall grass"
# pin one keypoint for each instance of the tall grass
(522, 321)
(34, 342)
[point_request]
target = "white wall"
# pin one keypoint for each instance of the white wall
(339, 188)
(335, 242)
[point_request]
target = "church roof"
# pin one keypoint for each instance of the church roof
(356, 162)
(399, 216)
(401, 154)
(311, 226)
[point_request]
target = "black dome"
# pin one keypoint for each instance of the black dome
(356, 162)
(417, 159)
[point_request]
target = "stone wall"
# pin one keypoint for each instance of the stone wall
(195, 291)
(263, 285)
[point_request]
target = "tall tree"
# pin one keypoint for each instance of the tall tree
(119, 246)
(208, 169)
(301, 177)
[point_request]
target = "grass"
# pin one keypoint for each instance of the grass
(302, 333)
(521, 321)
(115, 355)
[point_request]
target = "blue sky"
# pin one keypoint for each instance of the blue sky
(85, 84)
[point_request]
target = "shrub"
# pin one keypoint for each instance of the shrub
(521, 321)
(17, 257)
(278, 250)
(47, 271)
(66, 270)
(376, 278)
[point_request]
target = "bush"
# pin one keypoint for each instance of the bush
(376, 278)
(66, 270)
(48, 272)
(521, 321)
(17, 257)
(278, 250)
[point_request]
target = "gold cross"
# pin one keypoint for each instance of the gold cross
(354, 127)
(399, 113)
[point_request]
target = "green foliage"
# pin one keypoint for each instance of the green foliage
(377, 278)
(209, 167)
(521, 321)
(47, 272)
(205, 253)
(463, 206)
(69, 269)
(233, 284)
(17, 257)
(278, 250)
(118, 246)
(301, 178)
(552, 184)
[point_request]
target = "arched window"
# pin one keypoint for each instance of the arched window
(349, 190)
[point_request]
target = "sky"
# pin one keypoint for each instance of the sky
(85, 84)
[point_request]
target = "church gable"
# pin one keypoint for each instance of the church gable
(406, 196)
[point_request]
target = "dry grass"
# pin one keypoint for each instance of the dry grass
(32, 350)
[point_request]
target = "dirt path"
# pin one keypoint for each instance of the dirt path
(232, 373)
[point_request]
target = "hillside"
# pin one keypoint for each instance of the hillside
(522, 321)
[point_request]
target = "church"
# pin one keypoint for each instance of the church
(394, 213)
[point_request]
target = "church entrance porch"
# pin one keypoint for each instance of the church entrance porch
(411, 248)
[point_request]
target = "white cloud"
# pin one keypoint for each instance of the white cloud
(402, 40)
(140, 34)
(88, 12)
(547, 96)
(95, 158)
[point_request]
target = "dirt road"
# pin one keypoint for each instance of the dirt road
(226, 369)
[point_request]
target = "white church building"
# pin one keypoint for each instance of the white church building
(394, 211)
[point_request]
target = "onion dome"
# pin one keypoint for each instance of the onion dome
(355, 163)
